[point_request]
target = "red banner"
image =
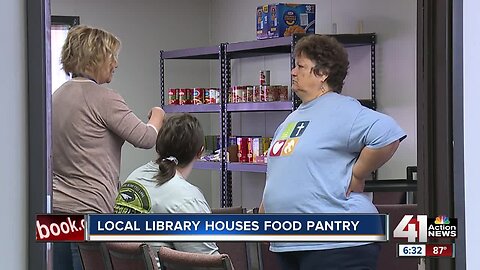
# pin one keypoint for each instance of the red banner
(54, 228)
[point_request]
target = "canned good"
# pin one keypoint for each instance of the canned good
(206, 96)
(239, 94)
(268, 92)
(173, 96)
(257, 93)
(230, 95)
(264, 77)
(182, 96)
(282, 92)
(249, 94)
(198, 95)
(214, 95)
(189, 96)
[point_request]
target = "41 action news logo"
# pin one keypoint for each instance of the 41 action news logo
(419, 228)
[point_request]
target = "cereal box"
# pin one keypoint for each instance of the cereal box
(285, 19)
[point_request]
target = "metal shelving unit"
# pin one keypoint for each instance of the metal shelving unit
(224, 53)
(201, 53)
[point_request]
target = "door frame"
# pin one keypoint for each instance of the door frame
(440, 117)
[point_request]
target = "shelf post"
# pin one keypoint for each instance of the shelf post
(161, 64)
(295, 99)
(226, 185)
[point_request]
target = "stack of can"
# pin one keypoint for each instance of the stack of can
(182, 96)
(258, 93)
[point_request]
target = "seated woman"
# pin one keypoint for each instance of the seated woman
(161, 186)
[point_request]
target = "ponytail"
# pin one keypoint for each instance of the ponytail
(167, 168)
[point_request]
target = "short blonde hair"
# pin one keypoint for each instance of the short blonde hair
(86, 48)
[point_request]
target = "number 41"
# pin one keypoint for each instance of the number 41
(407, 228)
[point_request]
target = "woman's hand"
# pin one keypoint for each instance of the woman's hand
(156, 116)
(356, 185)
(369, 160)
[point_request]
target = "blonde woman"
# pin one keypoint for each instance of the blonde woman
(90, 124)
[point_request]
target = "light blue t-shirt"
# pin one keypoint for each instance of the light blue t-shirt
(311, 158)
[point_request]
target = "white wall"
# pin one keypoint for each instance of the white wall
(395, 25)
(145, 27)
(471, 113)
(13, 135)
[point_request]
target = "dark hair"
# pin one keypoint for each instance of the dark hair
(181, 137)
(329, 57)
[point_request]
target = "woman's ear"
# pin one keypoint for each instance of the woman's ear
(200, 152)
(323, 76)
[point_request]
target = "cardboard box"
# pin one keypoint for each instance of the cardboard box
(285, 19)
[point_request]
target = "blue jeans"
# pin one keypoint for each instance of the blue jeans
(66, 256)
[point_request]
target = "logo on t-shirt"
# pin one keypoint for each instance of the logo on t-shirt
(299, 129)
(287, 131)
(288, 139)
(289, 147)
(276, 149)
(132, 198)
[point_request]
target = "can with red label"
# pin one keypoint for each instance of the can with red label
(173, 96)
(190, 93)
(206, 96)
(239, 94)
(264, 77)
(182, 96)
(198, 94)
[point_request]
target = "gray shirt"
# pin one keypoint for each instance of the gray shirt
(90, 123)
(141, 194)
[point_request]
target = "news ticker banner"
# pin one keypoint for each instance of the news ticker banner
(213, 227)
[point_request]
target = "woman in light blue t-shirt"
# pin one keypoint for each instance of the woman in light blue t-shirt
(321, 155)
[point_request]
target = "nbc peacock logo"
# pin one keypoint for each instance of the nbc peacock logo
(442, 227)
(442, 220)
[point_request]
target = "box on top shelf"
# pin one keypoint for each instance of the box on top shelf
(285, 19)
